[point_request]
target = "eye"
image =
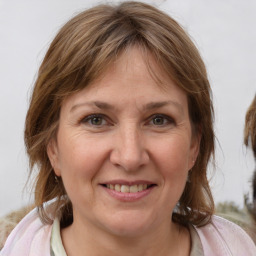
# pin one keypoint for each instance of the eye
(158, 120)
(95, 120)
(161, 120)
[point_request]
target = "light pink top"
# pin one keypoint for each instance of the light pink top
(219, 238)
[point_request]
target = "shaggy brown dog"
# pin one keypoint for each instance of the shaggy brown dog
(250, 140)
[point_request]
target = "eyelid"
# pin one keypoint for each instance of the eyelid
(170, 119)
(86, 119)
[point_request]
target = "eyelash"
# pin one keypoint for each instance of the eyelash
(167, 120)
(89, 119)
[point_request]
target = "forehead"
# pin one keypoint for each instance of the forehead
(137, 62)
(135, 74)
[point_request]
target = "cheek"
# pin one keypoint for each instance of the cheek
(80, 158)
(172, 164)
(173, 156)
(79, 164)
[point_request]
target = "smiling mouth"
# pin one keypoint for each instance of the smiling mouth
(128, 189)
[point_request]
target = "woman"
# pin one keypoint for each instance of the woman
(120, 126)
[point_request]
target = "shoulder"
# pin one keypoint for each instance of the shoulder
(30, 235)
(10, 221)
(222, 237)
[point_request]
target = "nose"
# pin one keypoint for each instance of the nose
(129, 150)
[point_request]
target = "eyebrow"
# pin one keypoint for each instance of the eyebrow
(149, 106)
(156, 105)
(98, 104)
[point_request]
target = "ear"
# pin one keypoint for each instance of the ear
(194, 148)
(53, 155)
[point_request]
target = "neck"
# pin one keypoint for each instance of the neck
(165, 240)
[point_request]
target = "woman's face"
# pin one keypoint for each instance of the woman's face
(124, 148)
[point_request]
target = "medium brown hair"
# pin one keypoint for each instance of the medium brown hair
(80, 53)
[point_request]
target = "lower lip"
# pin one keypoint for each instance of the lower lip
(128, 197)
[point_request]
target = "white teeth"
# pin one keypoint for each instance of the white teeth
(117, 187)
(133, 189)
(127, 188)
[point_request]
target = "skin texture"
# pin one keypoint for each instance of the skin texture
(143, 135)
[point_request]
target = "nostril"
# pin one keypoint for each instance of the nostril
(129, 161)
(128, 150)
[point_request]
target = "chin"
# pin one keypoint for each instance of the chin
(128, 231)
(130, 225)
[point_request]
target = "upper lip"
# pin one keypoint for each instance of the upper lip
(128, 183)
